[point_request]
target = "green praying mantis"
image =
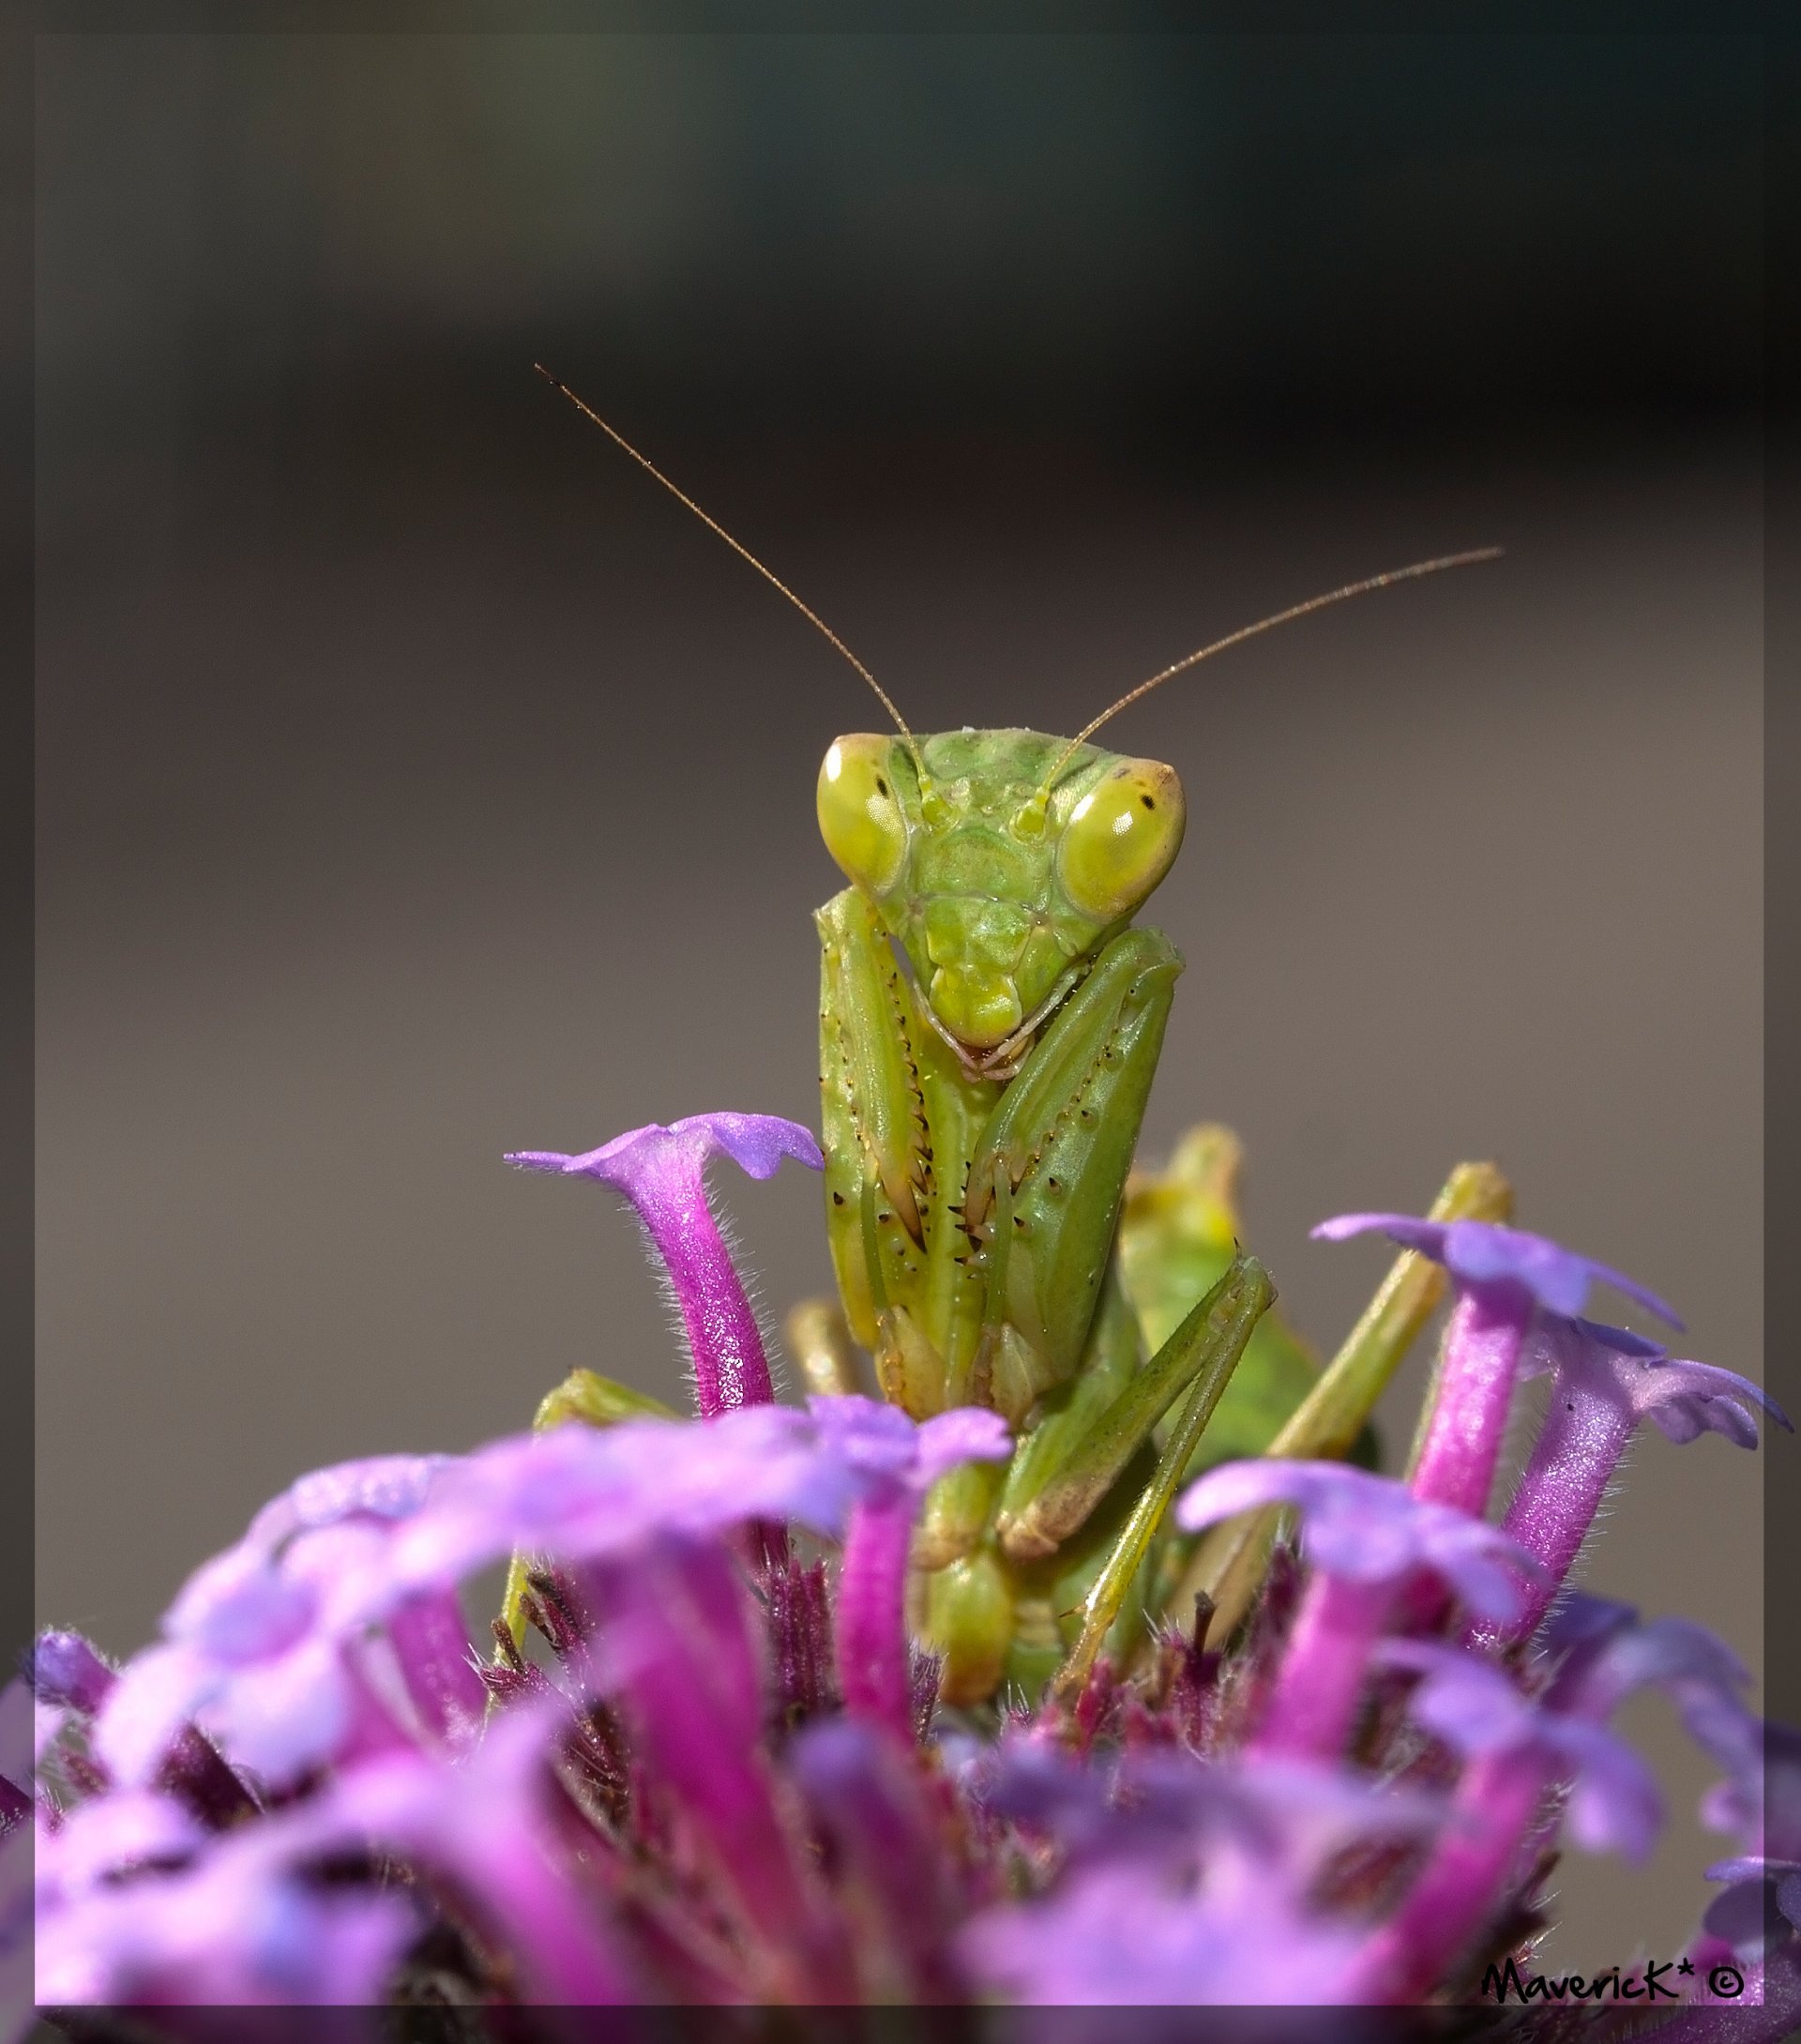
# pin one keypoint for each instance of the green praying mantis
(990, 1021)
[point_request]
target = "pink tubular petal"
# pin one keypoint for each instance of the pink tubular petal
(483, 1827)
(432, 1645)
(1501, 1272)
(1460, 1884)
(676, 1641)
(664, 1173)
(1559, 1491)
(872, 1634)
(1472, 1397)
(1605, 1382)
(878, 1813)
(1324, 1669)
(873, 1656)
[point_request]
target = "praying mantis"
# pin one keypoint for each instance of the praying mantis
(990, 1021)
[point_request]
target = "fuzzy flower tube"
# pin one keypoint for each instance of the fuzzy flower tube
(662, 1172)
(709, 1766)
(1507, 1283)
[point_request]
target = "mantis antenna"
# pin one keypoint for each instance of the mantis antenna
(1267, 624)
(744, 552)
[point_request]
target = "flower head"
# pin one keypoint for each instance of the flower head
(1507, 1281)
(296, 1650)
(714, 1771)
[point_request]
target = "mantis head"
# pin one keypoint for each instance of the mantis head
(997, 860)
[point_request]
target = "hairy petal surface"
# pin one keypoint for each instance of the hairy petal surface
(662, 1172)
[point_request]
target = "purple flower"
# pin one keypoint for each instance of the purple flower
(1684, 1400)
(1759, 1800)
(1614, 1805)
(663, 1173)
(1519, 1750)
(212, 1937)
(298, 1650)
(1603, 1652)
(1364, 1528)
(247, 1922)
(668, 1812)
(873, 1671)
(329, 1640)
(114, 1834)
(1504, 1279)
(489, 1825)
(1160, 1805)
(884, 1826)
(678, 1648)
(1366, 1538)
(707, 1766)
(1183, 1882)
(1483, 1253)
(1127, 1935)
(1758, 1888)
(63, 1669)
(1605, 1381)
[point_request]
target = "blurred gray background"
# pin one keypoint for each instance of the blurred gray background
(418, 783)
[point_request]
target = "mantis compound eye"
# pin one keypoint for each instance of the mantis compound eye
(1120, 838)
(860, 815)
